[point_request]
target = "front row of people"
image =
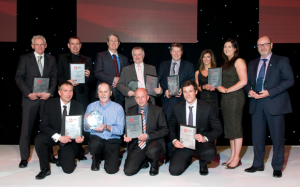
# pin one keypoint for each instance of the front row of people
(105, 140)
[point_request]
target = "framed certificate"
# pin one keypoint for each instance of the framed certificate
(73, 126)
(215, 77)
(40, 84)
(187, 136)
(173, 85)
(77, 72)
(151, 83)
(133, 125)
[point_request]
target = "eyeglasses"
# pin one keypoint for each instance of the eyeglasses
(42, 45)
(265, 45)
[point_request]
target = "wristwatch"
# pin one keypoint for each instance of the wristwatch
(226, 90)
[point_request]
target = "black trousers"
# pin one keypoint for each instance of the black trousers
(66, 153)
(109, 148)
(260, 118)
(136, 157)
(207, 152)
(29, 114)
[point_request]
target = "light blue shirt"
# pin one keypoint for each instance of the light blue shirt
(113, 114)
(261, 62)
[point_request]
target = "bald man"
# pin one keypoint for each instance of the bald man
(269, 77)
(150, 144)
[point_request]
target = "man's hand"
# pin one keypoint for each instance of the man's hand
(167, 94)
(179, 94)
(33, 96)
(87, 72)
(44, 96)
(127, 139)
(116, 80)
(253, 94)
(100, 127)
(143, 137)
(65, 139)
(131, 93)
(79, 140)
(263, 94)
(200, 138)
(158, 90)
(178, 144)
(73, 83)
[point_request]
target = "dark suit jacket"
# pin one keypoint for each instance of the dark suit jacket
(207, 121)
(51, 118)
(128, 74)
(156, 125)
(105, 70)
(186, 72)
(279, 77)
(27, 69)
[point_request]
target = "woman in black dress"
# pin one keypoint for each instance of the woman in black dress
(207, 93)
(233, 99)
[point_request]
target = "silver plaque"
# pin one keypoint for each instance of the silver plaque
(77, 72)
(73, 126)
(187, 136)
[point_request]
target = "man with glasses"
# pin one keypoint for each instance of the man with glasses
(36, 64)
(269, 77)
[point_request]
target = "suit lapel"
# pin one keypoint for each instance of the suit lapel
(198, 113)
(132, 67)
(34, 63)
(149, 117)
(271, 65)
(109, 58)
(184, 113)
(72, 109)
(169, 67)
(146, 67)
(45, 64)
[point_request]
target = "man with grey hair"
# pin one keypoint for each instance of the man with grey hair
(109, 65)
(35, 64)
(136, 71)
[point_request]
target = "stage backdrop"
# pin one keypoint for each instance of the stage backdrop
(216, 22)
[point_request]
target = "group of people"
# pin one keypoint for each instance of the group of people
(265, 82)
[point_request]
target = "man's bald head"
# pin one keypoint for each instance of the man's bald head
(141, 97)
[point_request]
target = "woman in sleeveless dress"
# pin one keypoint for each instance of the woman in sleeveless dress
(233, 99)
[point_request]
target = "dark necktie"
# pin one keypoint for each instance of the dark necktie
(116, 65)
(173, 70)
(191, 116)
(63, 121)
(261, 76)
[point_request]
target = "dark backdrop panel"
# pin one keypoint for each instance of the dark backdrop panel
(217, 21)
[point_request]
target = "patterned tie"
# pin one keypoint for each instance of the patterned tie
(116, 65)
(140, 77)
(40, 64)
(173, 70)
(261, 76)
(191, 116)
(141, 143)
(63, 121)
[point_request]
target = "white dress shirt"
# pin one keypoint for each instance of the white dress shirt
(56, 136)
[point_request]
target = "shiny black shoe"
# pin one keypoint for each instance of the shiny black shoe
(203, 170)
(95, 164)
(58, 164)
(145, 165)
(53, 160)
(44, 173)
(277, 173)
(153, 171)
(23, 164)
(253, 169)
(82, 157)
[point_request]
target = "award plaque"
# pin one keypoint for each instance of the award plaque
(73, 126)
(173, 85)
(133, 125)
(77, 72)
(133, 85)
(151, 83)
(187, 136)
(40, 84)
(215, 77)
(94, 119)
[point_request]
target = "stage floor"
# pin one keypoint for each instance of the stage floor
(12, 175)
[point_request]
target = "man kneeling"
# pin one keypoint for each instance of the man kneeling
(52, 131)
(151, 144)
(196, 113)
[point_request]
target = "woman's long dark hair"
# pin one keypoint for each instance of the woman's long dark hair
(213, 59)
(228, 63)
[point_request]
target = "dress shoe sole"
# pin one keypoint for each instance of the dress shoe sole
(153, 174)
(22, 166)
(95, 169)
(253, 171)
(276, 176)
(203, 173)
(47, 174)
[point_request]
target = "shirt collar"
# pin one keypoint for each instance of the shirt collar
(268, 57)
(36, 54)
(178, 62)
(111, 53)
(63, 104)
(106, 105)
(194, 104)
(142, 64)
(145, 108)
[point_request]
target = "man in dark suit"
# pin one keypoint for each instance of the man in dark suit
(136, 71)
(52, 131)
(36, 64)
(200, 114)
(81, 91)
(109, 65)
(150, 144)
(175, 66)
(269, 77)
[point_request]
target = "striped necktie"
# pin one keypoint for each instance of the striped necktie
(142, 144)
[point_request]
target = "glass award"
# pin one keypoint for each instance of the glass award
(215, 77)
(94, 119)
(151, 83)
(173, 85)
(133, 85)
